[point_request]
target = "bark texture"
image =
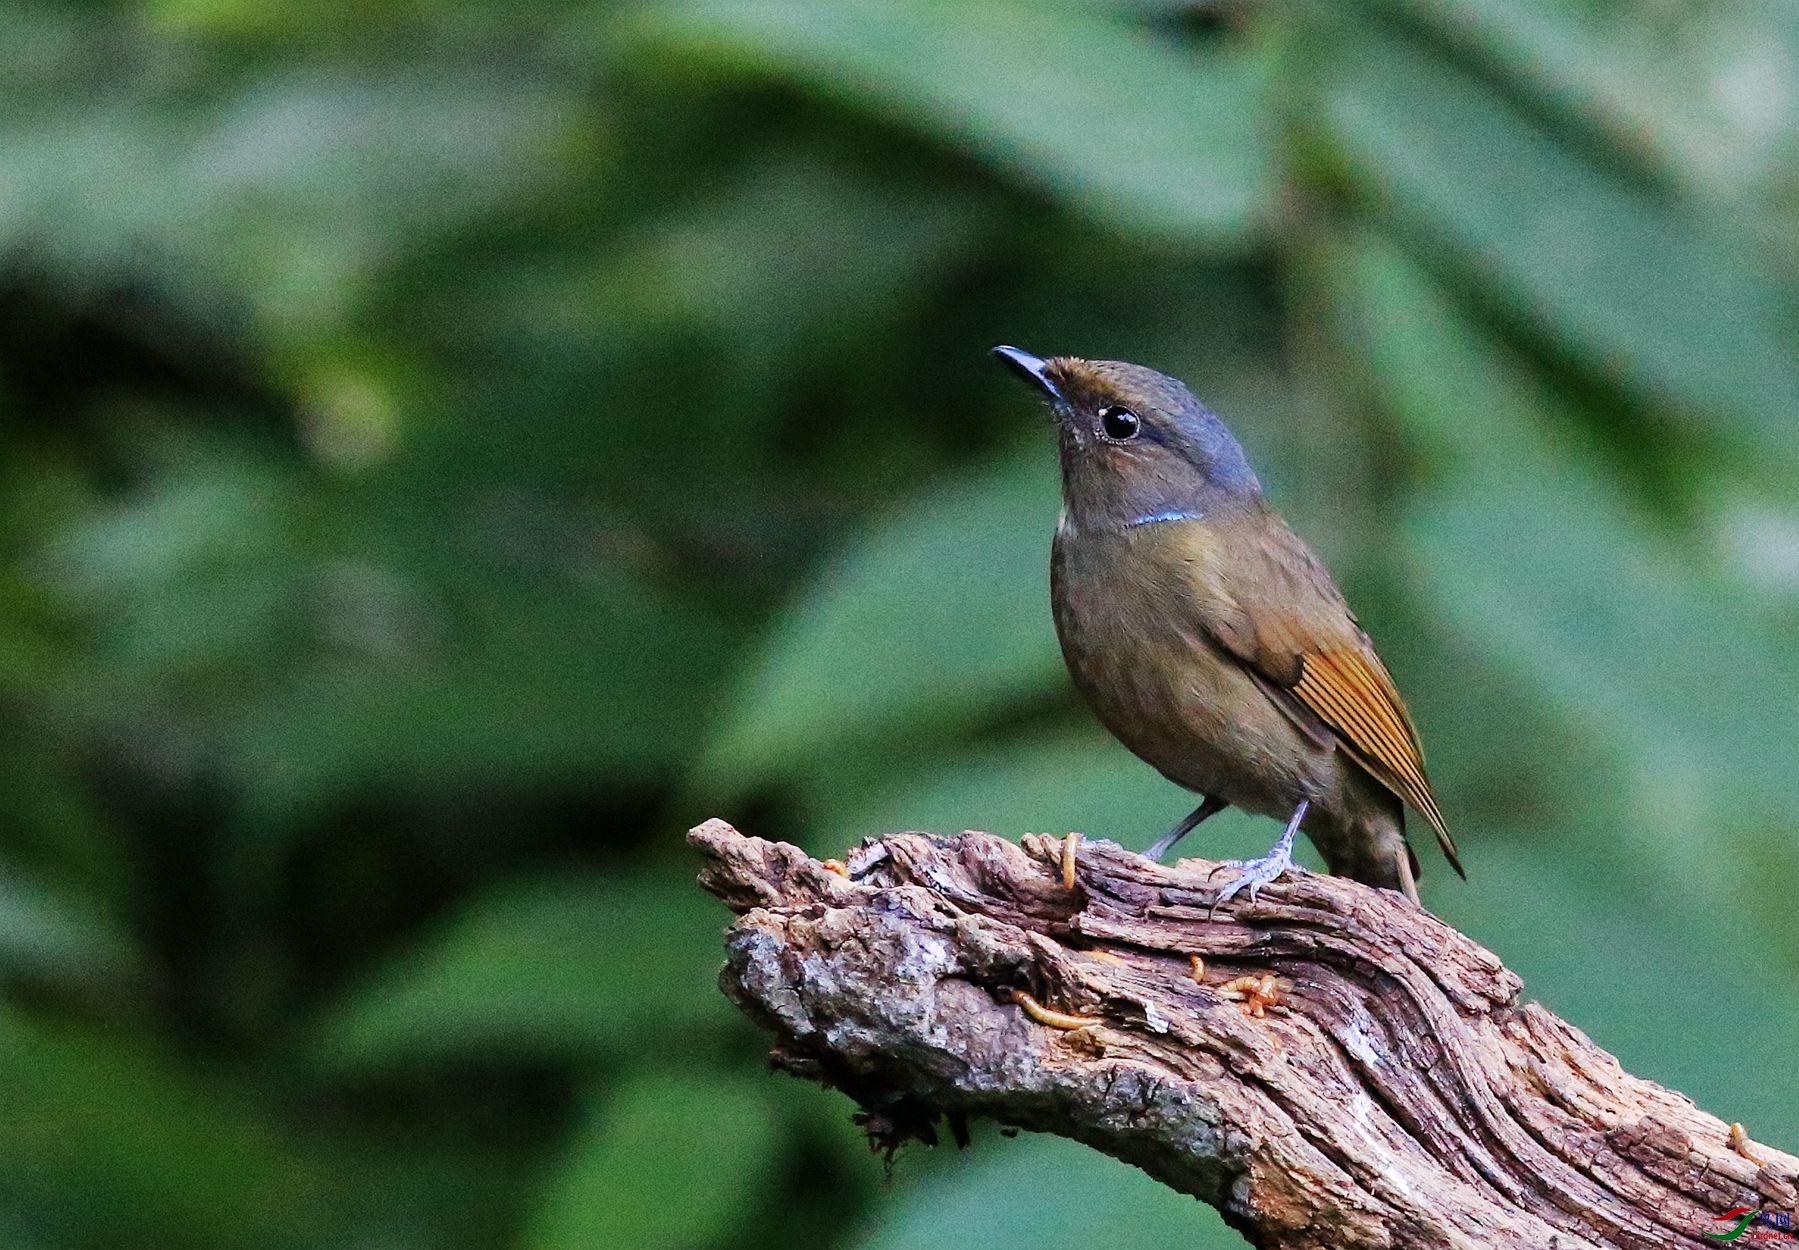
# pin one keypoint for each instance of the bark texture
(1343, 1071)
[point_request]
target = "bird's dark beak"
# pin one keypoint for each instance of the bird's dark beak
(1030, 367)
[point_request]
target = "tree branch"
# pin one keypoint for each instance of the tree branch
(1345, 1071)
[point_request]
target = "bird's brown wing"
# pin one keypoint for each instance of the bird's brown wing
(1304, 647)
(1352, 691)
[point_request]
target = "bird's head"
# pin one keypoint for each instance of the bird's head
(1135, 443)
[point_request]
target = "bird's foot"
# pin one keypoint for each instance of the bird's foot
(1253, 874)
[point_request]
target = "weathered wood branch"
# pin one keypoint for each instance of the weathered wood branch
(1344, 1070)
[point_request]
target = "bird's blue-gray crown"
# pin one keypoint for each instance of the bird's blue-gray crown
(1136, 445)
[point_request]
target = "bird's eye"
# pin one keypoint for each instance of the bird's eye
(1118, 423)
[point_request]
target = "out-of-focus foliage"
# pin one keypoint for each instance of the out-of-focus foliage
(449, 449)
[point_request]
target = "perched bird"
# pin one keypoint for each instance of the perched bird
(1211, 641)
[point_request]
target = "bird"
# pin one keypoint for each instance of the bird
(1211, 641)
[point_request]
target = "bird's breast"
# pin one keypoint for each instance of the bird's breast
(1131, 611)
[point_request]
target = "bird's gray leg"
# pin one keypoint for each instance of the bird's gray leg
(1407, 881)
(1253, 874)
(1194, 819)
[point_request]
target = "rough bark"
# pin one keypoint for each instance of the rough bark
(1345, 1071)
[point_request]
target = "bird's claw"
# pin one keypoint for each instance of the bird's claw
(1253, 874)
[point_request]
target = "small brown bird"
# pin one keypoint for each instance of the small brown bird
(1211, 641)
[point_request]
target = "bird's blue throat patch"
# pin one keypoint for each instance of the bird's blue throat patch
(1172, 514)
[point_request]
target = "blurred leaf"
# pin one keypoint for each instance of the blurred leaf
(1525, 550)
(664, 1162)
(935, 616)
(1559, 915)
(46, 935)
(196, 571)
(1758, 539)
(1640, 292)
(1137, 133)
(56, 829)
(466, 640)
(556, 968)
(530, 681)
(103, 1145)
(1047, 1193)
(292, 194)
(788, 262)
(1699, 92)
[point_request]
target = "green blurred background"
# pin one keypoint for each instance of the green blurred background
(450, 449)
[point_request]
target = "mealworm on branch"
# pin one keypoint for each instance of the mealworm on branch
(1256, 993)
(1054, 1019)
(1739, 1142)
